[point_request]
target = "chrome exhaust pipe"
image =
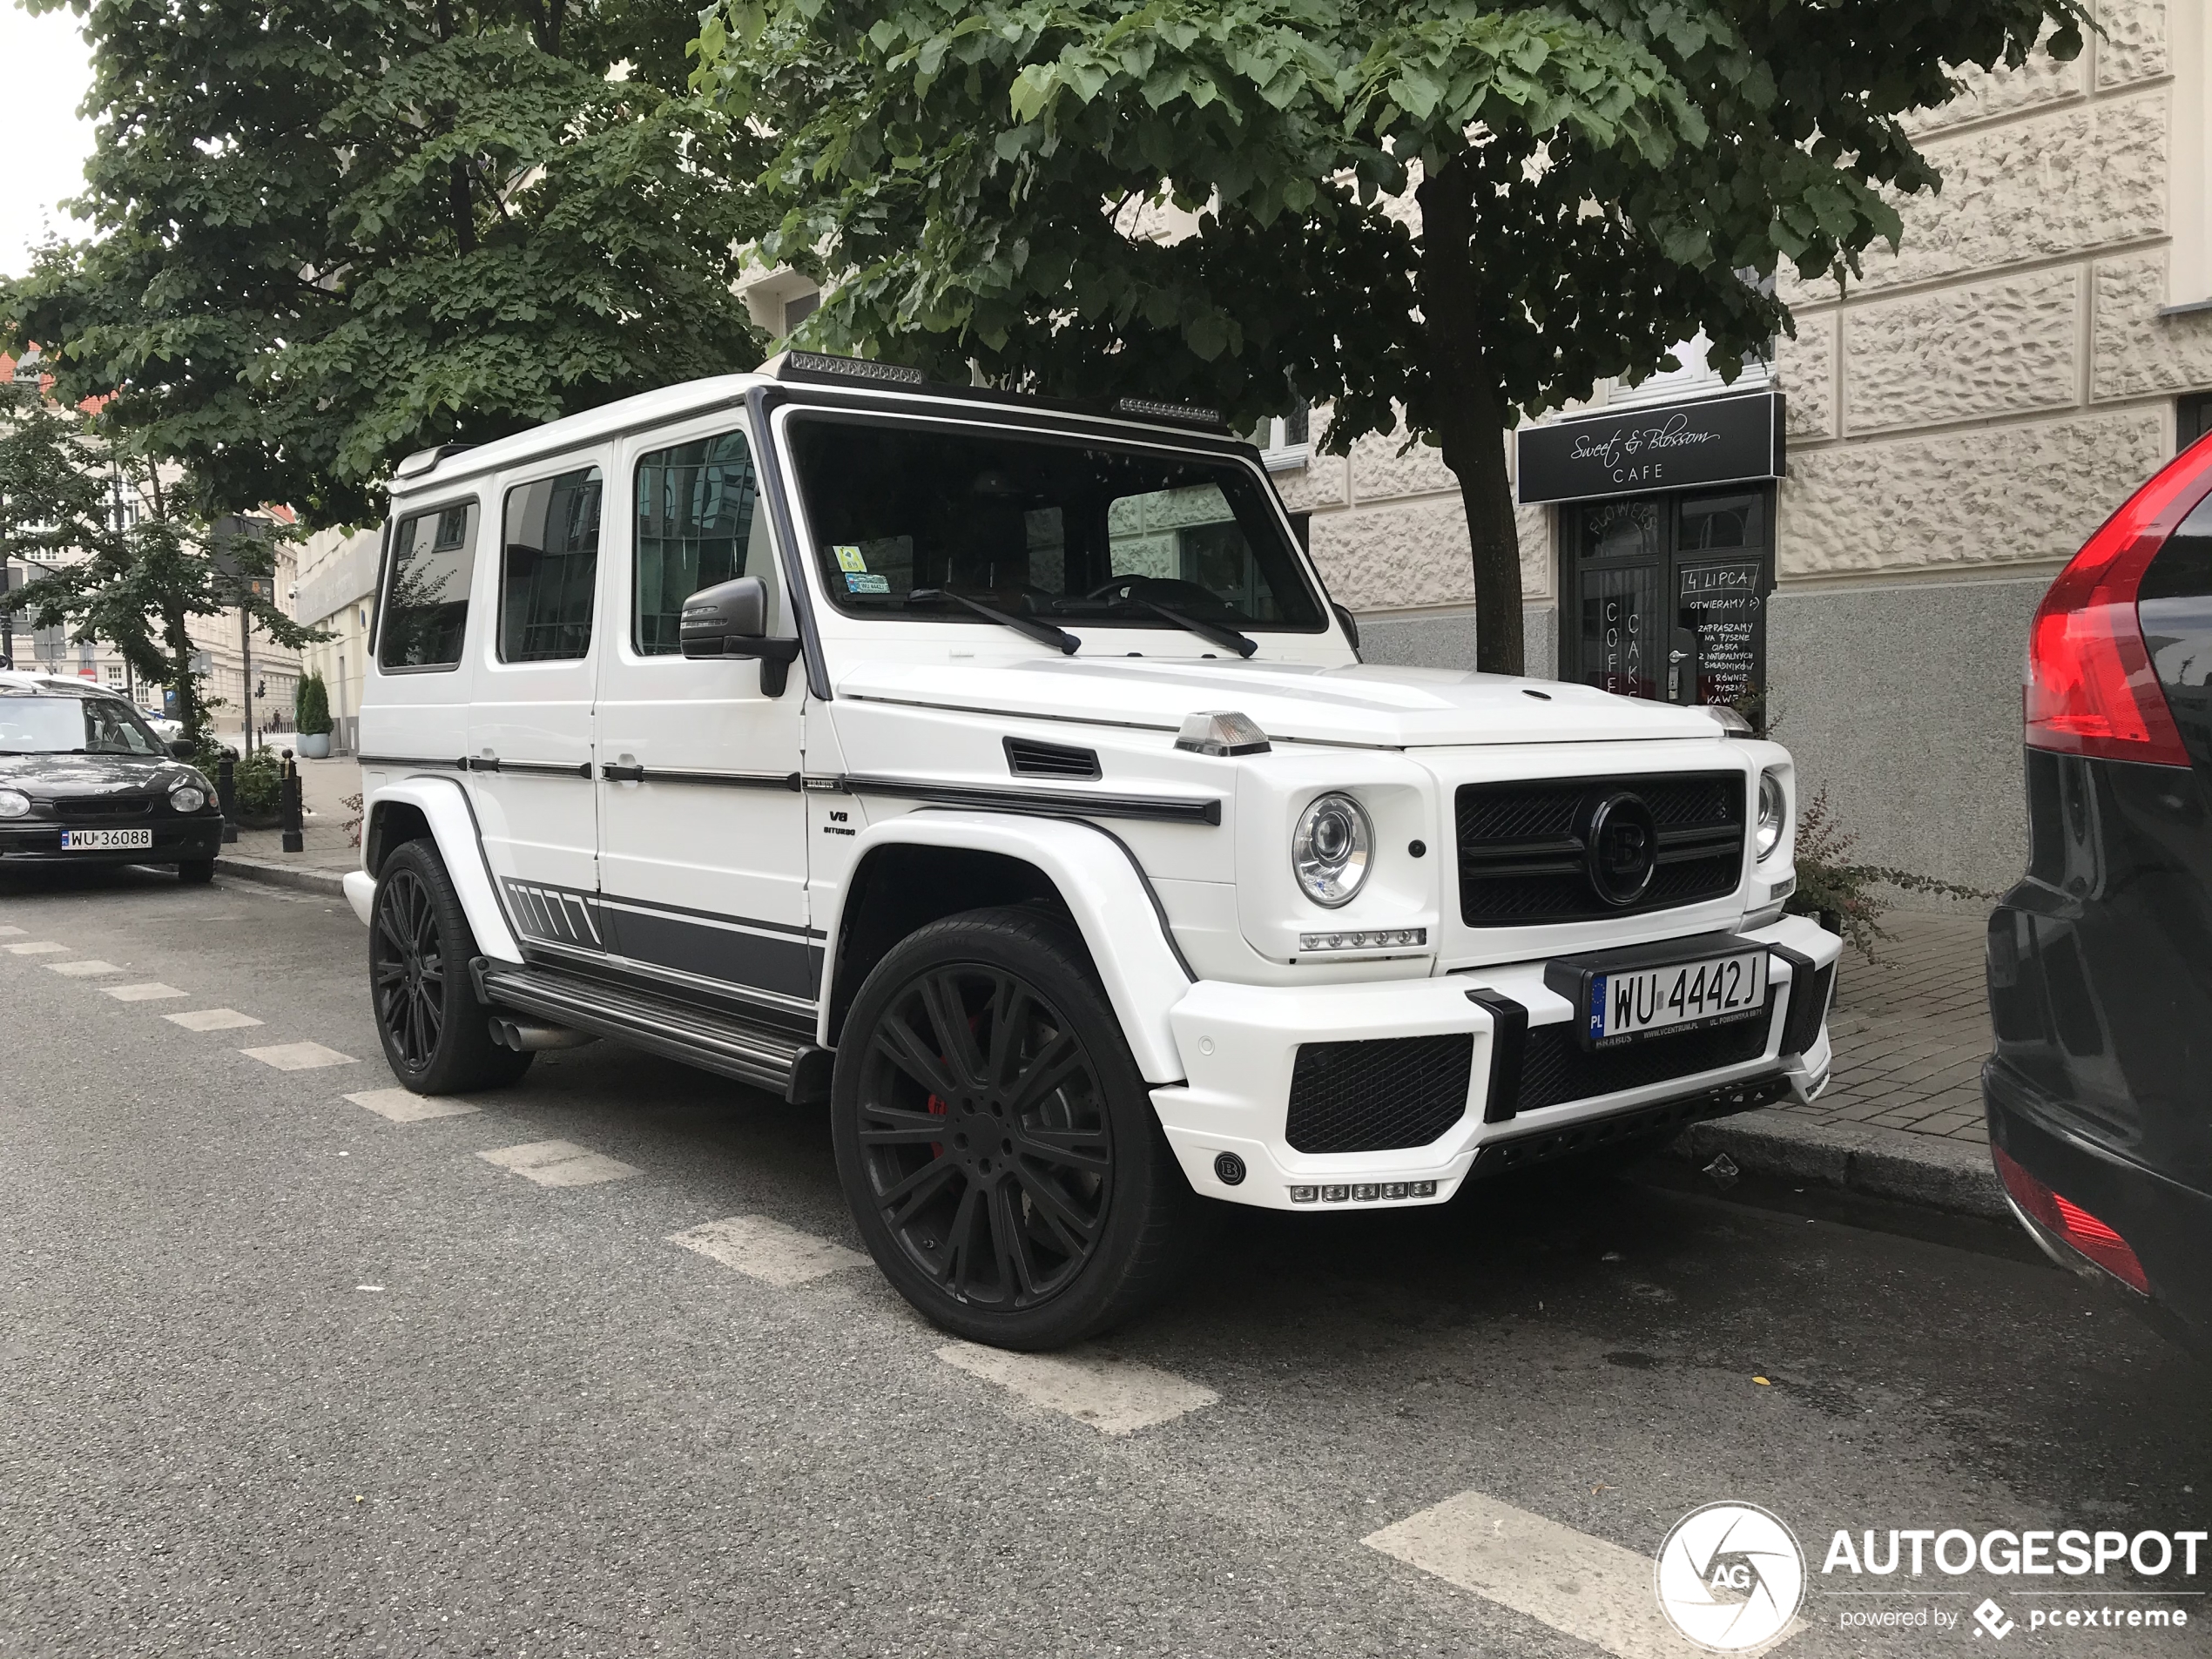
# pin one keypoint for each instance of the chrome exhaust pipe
(537, 1039)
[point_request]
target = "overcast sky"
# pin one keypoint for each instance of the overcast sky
(42, 140)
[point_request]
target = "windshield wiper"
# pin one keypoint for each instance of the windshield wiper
(1219, 633)
(1043, 632)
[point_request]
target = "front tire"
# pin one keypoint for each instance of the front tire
(996, 1140)
(436, 1036)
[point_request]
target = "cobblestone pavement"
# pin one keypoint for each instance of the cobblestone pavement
(1910, 1031)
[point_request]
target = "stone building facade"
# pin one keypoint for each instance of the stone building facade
(1959, 420)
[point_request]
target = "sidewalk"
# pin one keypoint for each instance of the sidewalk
(1902, 1116)
(328, 848)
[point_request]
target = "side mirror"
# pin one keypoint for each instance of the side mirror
(181, 750)
(730, 619)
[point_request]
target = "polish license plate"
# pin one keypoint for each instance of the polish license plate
(1644, 1001)
(104, 840)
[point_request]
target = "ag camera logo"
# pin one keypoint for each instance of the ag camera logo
(1730, 1576)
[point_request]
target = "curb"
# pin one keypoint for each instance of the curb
(330, 883)
(1953, 1177)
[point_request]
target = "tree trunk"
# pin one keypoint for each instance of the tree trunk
(1472, 419)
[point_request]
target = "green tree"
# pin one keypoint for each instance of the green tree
(310, 708)
(330, 231)
(1596, 181)
(135, 578)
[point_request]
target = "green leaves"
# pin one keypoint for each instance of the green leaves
(330, 233)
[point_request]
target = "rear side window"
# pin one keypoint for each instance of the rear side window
(700, 521)
(549, 566)
(426, 607)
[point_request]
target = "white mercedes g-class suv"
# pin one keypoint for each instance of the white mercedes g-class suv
(1000, 772)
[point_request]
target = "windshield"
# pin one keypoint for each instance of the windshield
(73, 725)
(1052, 528)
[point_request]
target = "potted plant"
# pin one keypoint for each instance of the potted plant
(260, 782)
(311, 710)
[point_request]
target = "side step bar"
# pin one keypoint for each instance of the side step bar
(759, 1055)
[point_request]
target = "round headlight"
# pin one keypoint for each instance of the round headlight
(13, 803)
(1330, 848)
(1774, 814)
(187, 798)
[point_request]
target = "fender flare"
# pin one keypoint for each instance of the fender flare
(444, 805)
(1105, 890)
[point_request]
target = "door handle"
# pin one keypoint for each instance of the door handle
(618, 774)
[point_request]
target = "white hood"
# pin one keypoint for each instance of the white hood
(1367, 704)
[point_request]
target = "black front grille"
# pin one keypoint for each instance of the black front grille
(104, 807)
(1522, 847)
(1378, 1096)
(1555, 1067)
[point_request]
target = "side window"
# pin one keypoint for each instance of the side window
(548, 568)
(426, 606)
(700, 521)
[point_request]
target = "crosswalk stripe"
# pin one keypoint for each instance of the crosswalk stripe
(11, 933)
(298, 1056)
(1113, 1395)
(211, 1019)
(85, 970)
(152, 991)
(405, 1106)
(36, 947)
(1581, 1586)
(558, 1163)
(768, 1251)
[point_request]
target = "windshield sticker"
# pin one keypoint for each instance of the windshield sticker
(866, 584)
(849, 560)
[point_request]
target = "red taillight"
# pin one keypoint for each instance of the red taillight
(2071, 1223)
(2091, 689)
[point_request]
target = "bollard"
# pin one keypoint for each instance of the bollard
(295, 839)
(226, 795)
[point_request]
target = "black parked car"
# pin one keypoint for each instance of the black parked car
(2100, 1093)
(84, 779)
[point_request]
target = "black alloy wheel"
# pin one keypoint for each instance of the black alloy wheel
(998, 1146)
(436, 1035)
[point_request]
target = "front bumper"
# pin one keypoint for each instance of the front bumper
(39, 840)
(1240, 1044)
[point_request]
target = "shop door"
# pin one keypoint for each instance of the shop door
(1667, 595)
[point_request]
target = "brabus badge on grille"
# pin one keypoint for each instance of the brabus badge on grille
(1620, 848)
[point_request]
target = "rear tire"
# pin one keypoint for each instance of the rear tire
(997, 1142)
(436, 1035)
(195, 872)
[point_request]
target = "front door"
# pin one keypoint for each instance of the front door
(530, 725)
(1667, 595)
(702, 847)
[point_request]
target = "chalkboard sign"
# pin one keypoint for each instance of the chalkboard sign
(1675, 445)
(1723, 606)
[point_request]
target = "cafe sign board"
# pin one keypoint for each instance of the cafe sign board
(1729, 440)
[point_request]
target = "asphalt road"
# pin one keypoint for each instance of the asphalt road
(279, 1375)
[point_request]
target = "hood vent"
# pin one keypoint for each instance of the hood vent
(1027, 758)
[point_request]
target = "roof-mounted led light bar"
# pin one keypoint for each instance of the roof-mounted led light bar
(1148, 408)
(816, 364)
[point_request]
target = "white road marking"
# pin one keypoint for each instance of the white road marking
(1113, 1396)
(85, 969)
(11, 933)
(298, 1056)
(152, 991)
(767, 1250)
(1584, 1587)
(404, 1106)
(210, 1020)
(558, 1163)
(36, 948)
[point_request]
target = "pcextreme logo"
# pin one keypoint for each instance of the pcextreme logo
(1730, 1576)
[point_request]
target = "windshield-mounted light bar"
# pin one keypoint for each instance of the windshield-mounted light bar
(1148, 408)
(818, 365)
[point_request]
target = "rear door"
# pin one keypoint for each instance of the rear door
(702, 823)
(529, 750)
